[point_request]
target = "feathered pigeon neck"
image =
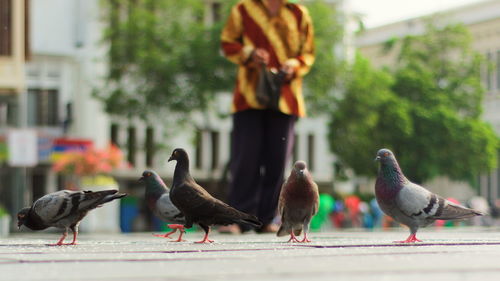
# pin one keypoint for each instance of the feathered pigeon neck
(156, 186)
(391, 173)
(181, 173)
(34, 222)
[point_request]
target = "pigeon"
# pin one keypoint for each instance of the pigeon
(64, 209)
(298, 203)
(409, 203)
(158, 201)
(197, 204)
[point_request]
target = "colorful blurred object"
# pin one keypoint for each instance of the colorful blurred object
(89, 161)
(326, 204)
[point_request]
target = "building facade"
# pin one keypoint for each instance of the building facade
(14, 51)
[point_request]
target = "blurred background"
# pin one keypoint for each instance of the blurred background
(94, 92)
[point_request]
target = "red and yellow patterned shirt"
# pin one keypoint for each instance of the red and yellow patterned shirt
(288, 37)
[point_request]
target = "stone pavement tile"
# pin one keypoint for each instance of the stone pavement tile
(446, 254)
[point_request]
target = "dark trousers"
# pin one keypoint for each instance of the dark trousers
(261, 142)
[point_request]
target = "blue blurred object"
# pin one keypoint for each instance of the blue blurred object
(129, 210)
(376, 212)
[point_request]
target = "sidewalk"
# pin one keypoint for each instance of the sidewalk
(447, 254)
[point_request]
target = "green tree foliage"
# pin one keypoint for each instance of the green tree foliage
(329, 66)
(164, 58)
(427, 109)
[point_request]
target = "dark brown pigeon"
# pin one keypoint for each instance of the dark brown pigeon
(409, 203)
(197, 205)
(64, 209)
(298, 203)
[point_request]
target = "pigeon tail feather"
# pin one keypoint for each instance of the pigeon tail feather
(455, 212)
(112, 197)
(250, 220)
(285, 231)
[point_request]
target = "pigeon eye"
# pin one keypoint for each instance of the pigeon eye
(386, 154)
(148, 174)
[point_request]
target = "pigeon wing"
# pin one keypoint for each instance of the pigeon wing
(167, 211)
(55, 206)
(52, 206)
(416, 201)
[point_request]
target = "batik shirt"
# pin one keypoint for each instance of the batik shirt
(288, 37)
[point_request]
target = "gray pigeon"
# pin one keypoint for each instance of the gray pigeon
(409, 203)
(197, 204)
(298, 203)
(158, 201)
(64, 209)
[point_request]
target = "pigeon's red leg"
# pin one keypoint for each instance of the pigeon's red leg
(60, 242)
(205, 238)
(75, 234)
(172, 226)
(182, 231)
(293, 238)
(305, 238)
(166, 235)
(411, 239)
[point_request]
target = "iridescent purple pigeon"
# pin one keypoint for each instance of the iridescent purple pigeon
(298, 203)
(409, 203)
(158, 200)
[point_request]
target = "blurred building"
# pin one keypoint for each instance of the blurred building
(483, 21)
(14, 51)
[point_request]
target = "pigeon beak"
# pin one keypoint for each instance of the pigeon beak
(141, 179)
(377, 158)
(19, 224)
(170, 159)
(301, 172)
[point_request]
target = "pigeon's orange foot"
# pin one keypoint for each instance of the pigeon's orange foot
(204, 241)
(411, 239)
(166, 235)
(179, 239)
(293, 239)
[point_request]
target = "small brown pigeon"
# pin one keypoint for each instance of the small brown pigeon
(197, 205)
(409, 203)
(64, 209)
(298, 203)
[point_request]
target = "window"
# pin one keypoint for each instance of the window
(214, 135)
(498, 70)
(199, 149)
(310, 151)
(216, 12)
(43, 107)
(7, 110)
(295, 149)
(150, 146)
(113, 134)
(489, 82)
(6, 30)
(131, 145)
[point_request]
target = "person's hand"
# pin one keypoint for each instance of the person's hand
(288, 70)
(260, 56)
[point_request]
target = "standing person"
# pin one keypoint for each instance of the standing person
(275, 35)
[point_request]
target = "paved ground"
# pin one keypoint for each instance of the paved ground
(447, 254)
